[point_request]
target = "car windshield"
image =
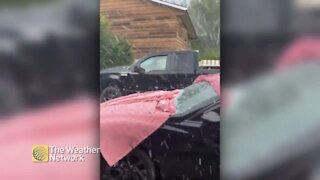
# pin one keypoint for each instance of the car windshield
(194, 96)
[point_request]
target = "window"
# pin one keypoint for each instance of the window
(156, 63)
(184, 63)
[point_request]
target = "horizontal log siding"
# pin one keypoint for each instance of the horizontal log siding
(149, 27)
(183, 41)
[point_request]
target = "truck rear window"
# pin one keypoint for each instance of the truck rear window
(184, 63)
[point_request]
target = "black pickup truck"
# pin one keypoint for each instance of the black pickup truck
(157, 71)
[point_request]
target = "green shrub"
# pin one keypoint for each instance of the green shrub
(210, 55)
(114, 50)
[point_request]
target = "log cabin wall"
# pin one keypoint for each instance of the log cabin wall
(183, 41)
(149, 27)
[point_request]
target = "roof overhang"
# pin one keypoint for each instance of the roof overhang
(170, 4)
(185, 17)
(189, 25)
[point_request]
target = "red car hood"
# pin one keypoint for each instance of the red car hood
(126, 121)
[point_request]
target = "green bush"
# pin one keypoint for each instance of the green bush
(211, 55)
(114, 50)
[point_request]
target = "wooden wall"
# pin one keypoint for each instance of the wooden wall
(149, 26)
(182, 36)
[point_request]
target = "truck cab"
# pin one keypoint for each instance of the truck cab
(156, 71)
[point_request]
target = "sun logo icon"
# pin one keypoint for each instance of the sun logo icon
(40, 153)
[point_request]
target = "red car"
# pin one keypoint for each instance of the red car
(163, 134)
